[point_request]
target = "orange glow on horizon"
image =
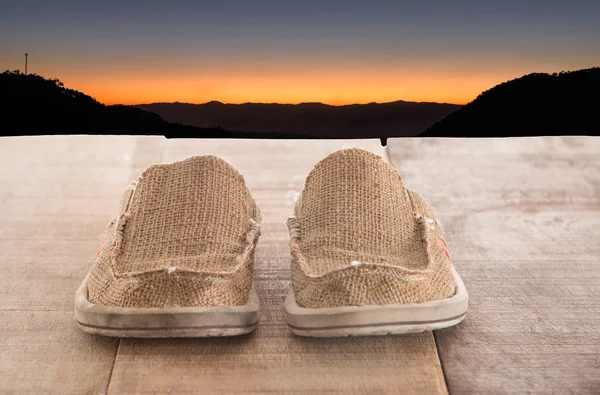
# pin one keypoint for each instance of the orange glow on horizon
(287, 80)
(334, 88)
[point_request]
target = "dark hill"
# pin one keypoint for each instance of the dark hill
(315, 120)
(565, 103)
(34, 105)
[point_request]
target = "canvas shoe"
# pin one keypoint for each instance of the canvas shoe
(178, 259)
(368, 255)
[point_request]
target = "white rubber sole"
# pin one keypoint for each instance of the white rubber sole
(165, 322)
(377, 319)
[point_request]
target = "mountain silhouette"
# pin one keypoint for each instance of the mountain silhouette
(308, 120)
(565, 103)
(35, 105)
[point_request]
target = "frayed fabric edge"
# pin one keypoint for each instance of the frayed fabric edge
(295, 234)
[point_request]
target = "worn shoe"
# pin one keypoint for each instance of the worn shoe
(178, 260)
(368, 255)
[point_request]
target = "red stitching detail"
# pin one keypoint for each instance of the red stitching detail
(447, 254)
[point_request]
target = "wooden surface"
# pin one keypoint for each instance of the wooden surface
(58, 194)
(522, 221)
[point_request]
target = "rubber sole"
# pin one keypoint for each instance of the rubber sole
(377, 319)
(165, 322)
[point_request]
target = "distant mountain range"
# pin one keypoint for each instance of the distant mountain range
(308, 120)
(565, 103)
(536, 104)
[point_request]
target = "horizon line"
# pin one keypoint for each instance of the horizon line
(288, 104)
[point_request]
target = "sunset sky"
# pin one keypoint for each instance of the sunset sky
(335, 52)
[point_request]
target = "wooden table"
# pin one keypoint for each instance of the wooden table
(522, 219)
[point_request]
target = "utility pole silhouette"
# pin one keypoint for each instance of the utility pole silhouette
(25, 63)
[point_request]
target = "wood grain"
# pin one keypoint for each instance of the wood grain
(272, 360)
(521, 218)
(43, 352)
(57, 194)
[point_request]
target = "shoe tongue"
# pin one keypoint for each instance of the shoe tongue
(355, 208)
(191, 214)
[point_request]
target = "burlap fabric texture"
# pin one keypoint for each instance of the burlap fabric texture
(359, 237)
(185, 236)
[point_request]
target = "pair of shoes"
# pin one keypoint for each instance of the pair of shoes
(368, 255)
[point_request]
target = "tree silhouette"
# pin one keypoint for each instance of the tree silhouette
(536, 104)
(45, 106)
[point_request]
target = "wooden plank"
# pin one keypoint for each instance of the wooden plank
(43, 352)
(521, 219)
(272, 359)
(57, 194)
